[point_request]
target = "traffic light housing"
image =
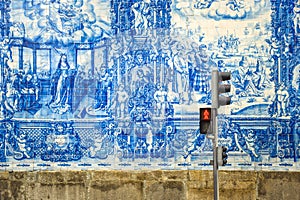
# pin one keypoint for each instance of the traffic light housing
(217, 88)
(205, 120)
(222, 155)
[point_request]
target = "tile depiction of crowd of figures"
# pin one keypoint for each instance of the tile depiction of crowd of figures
(73, 88)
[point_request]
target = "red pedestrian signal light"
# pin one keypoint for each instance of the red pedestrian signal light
(205, 120)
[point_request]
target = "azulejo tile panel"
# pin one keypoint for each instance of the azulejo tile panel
(118, 84)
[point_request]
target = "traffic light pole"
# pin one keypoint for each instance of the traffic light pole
(215, 106)
(215, 154)
(218, 100)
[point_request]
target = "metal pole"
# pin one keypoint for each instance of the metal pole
(215, 106)
(215, 155)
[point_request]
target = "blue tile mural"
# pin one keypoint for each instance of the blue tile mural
(96, 84)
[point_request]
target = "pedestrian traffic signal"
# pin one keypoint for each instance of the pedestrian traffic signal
(222, 155)
(217, 89)
(205, 120)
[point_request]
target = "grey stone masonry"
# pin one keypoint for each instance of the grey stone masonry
(148, 185)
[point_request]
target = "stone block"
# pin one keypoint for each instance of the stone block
(76, 176)
(6, 195)
(203, 194)
(4, 175)
(176, 175)
(18, 190)
(238, 175)
(116, 175)
(274, 185)
(44, 191)
(237, 194)
(47, 177)
(168, 190)
(197, 185)
(237, 185)
(116, 190)
(196, 175)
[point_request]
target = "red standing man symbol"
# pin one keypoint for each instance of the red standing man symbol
(206, 115)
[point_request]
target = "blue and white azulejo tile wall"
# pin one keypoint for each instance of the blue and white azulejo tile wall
(118, 84)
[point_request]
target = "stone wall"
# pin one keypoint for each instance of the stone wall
(148, 185)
